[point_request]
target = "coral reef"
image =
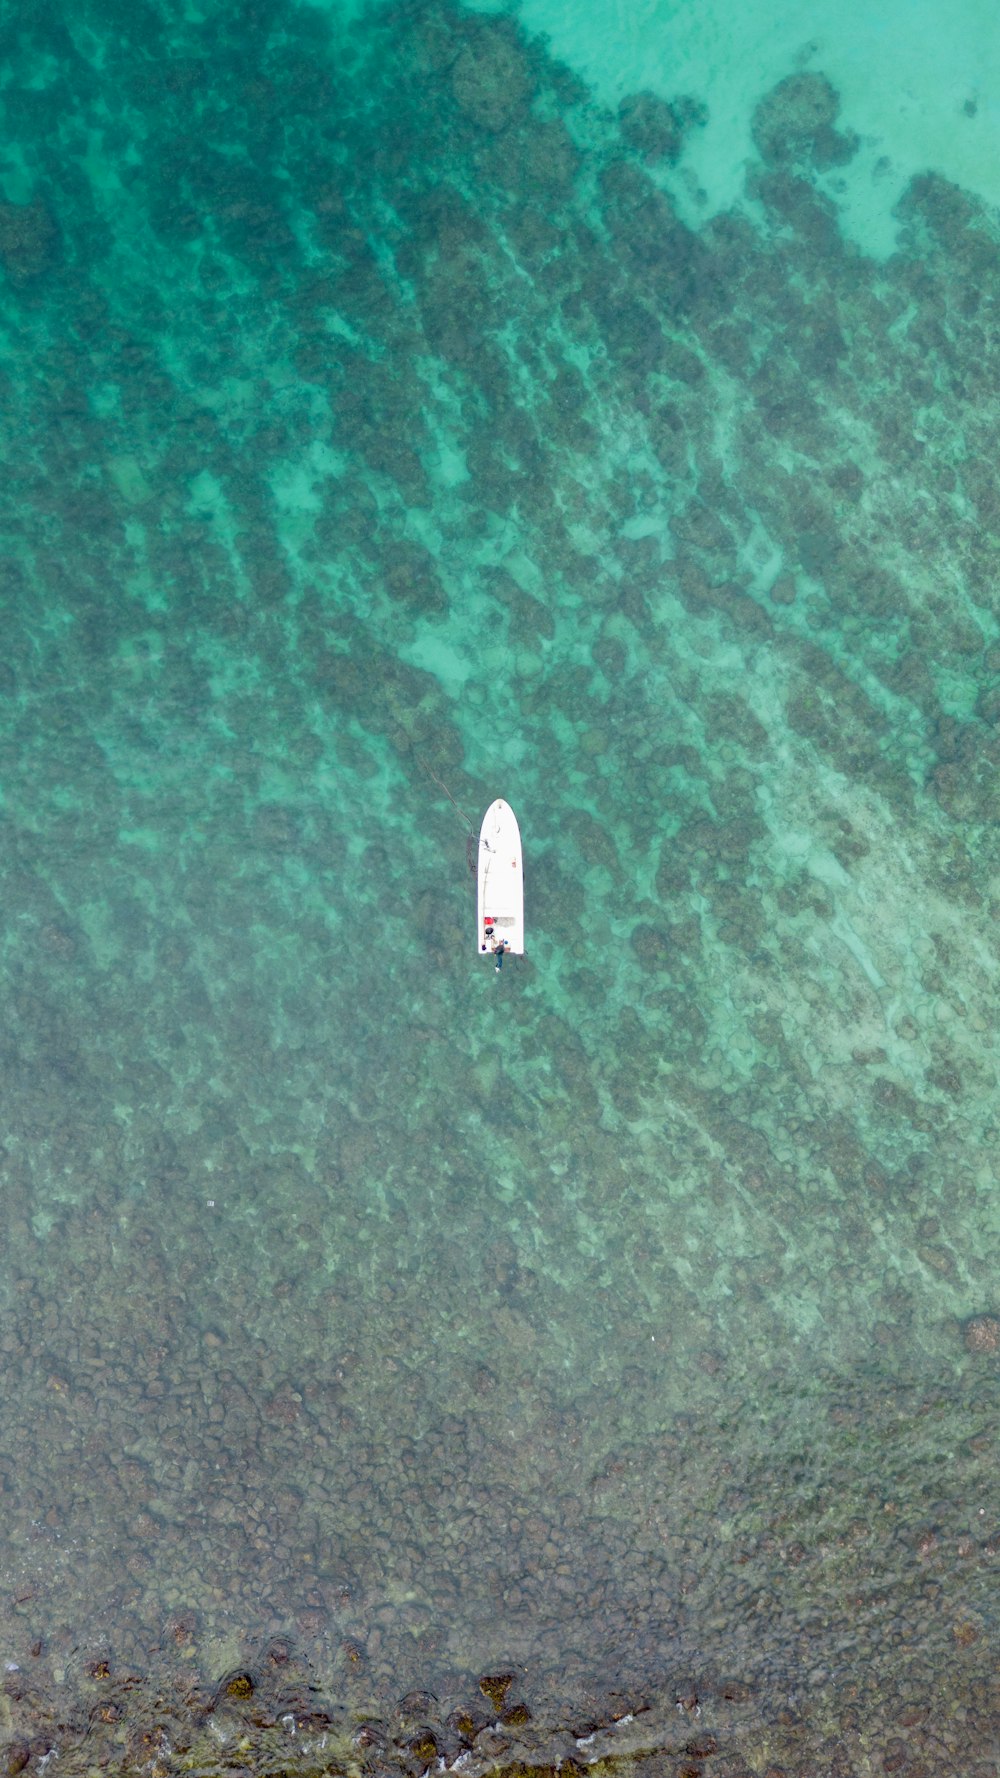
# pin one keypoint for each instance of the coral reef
(401, 1366)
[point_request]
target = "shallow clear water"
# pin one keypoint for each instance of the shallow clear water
(613, 1340)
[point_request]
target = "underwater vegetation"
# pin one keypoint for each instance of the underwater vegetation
(371, 416)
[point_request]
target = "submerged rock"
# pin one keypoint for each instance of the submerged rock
(796, 122)
(982, 1334)
(29, 241)
(490, 81)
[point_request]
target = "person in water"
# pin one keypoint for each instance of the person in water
(500, 945)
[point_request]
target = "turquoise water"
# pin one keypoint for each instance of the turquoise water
(403, 1363)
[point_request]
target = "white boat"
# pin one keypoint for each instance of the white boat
(500, 903)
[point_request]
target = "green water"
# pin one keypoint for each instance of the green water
(409, 401)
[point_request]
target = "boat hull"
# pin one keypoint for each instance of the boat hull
(500, 900)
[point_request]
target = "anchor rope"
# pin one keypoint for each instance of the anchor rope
(444, 788)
